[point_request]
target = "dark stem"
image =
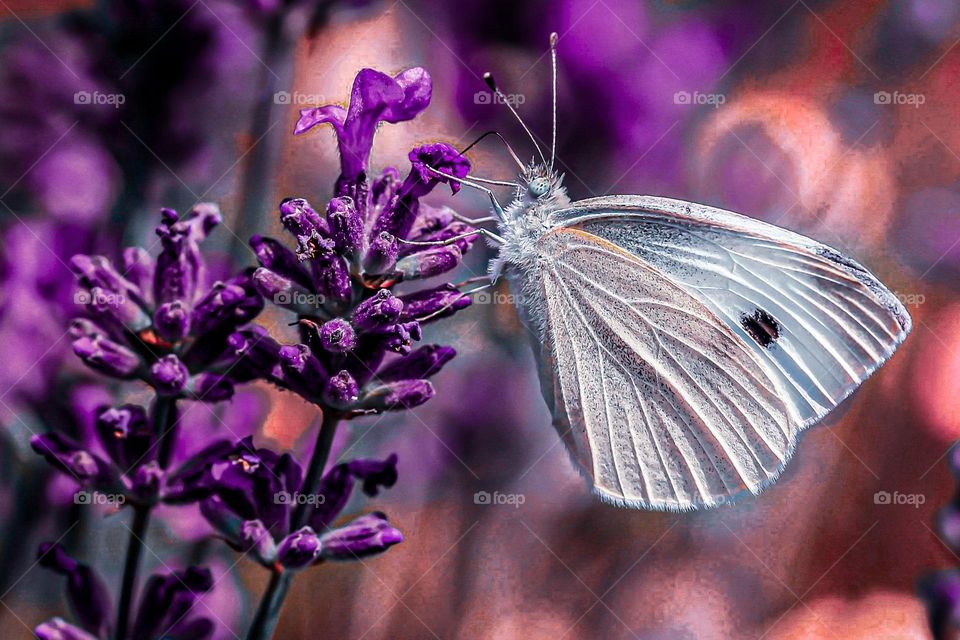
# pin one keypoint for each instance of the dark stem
(258, 173)
(164, 420)
(141, 518)
(268, 612)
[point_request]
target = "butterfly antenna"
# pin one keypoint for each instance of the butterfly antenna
(488, 78)
(553, 58)
(513, 154)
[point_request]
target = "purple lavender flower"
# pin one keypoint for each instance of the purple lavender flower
(375, 98)
(351, 253)
(132, 467)
(157, 320)
(164, 610)
(256, 494)
(87, 595)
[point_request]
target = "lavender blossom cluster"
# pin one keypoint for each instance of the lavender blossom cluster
(161, 322)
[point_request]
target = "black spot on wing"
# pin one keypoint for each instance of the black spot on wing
(762, 327)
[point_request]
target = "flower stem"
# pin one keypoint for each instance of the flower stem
(268, 612)
(164, 421)
(141, 518)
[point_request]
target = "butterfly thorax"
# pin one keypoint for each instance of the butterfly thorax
(527, 218)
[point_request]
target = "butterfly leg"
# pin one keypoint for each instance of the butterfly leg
(497, 208)
(474, 221)
(454, 239)
(463, 294)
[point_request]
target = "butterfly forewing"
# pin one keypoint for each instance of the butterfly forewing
(820, 321)
(660, 402)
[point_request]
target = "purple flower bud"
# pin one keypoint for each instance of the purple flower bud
(117, 307)
(165, 604)
(331, 276)
(439, 156)
(282, 291)
(346, 225)
(169, 375)
(255, 537)
(125, 433)
(384, 187)
(217, 307)
(337, 336)
(211, 387)
(342, 391)
(381, 255)
(300, 219)
(99, 272)
(52, 556)
(58, 629)
(277, 258)
(399, 338)
(106, 356)
(440, 302)
(429, 220)
(138, 267)
(84, 328)
(377, 312)
(254, 354)
(86, 593)
(180, 267)
(337, 486)
(299, 549)
(172, 321)
(429, 263)
(422, 363)
(302, 371)
(365, 536)
(396, 396)
(147, 480)
(374, 473)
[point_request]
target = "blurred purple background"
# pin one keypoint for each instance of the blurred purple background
(837, 120)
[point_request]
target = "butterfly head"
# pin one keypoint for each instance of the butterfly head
(541, 182)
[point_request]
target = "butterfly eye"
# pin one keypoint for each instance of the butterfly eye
(538, 187)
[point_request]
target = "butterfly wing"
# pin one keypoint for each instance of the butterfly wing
(657, 399)
(686, 347)
(820, 321)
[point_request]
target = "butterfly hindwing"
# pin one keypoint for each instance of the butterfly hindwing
(661, 403)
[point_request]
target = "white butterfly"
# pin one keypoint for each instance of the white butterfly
(683, 348)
